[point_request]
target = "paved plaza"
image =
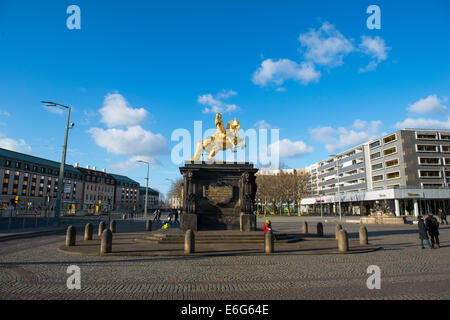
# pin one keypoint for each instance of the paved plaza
(33, 268)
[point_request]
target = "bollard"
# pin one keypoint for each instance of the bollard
(112, 226)
(363, 238)
(268, 242)
(106, 243)
(342, 241)
(71, 235)
(305, 227)
(320, 229)
(101, 228)
(338, 227)
(148, 225)
(88, 231)
(189, 242)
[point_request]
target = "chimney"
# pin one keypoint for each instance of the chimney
(104, 170)
(76, 164)
(87, 167)
(94, 168)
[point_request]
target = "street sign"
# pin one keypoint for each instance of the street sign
(67, 188)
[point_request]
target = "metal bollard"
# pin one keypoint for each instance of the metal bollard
(189, 242)
(342, 241)
(112, 226)
(106, 242)
(338, 227)
(88, 231)
(71, 235)
(363, 238)
(101, 228)
(305, 227)
(148, 225)
(320, 229)
(268, 242)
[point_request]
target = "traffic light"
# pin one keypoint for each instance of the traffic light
(16, 200)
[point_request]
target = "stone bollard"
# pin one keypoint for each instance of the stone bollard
(305, 227)
(363, 238)
(112, 226)
(71, 235)
(342, 241)
(268, 242)
(338, 227)
(148, 225)
(189, 242)
(88, 231)
(101, 228)
(320, 229)
(106, 243)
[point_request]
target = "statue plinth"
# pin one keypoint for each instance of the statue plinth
(216, 194)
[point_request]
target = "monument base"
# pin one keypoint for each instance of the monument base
(217, 193)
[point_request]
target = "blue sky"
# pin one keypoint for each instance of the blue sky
(138, 70)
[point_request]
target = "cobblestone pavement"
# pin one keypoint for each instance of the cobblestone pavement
(33, 269)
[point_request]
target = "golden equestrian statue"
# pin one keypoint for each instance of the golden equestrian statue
(222, 140)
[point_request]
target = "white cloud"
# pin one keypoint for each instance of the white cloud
(423, 123)
(290, 149)
(325, 46)
(376, 49)
(262, 124)
(429, 105)
(5, 113)
(131, 141)
(335, 139)
(132, 164)
(215, 104)
(14, 145)
(277, 72)
(117, 112)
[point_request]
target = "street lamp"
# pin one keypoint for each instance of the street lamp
(336, 159)
(146, 189)
(63, 160)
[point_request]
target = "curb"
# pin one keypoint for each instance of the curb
(30, 234)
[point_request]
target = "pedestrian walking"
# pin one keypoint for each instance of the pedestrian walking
(443, 216)
(433, 229)
(423, 234)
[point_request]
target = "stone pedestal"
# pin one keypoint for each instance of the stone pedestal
(217, 193)
(247, 222)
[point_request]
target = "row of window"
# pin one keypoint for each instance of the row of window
(432, 136)
(386, 140)
(387, 164)
(34, 168)
(432, 148)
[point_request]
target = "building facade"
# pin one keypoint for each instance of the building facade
(32, 182)
(153, 199)
(126, 193)
(404, 173)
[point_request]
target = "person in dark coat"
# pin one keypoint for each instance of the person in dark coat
(443, 216)
(433, 229)
(423, 234)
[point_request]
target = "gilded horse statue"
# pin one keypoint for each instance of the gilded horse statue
(223, 139)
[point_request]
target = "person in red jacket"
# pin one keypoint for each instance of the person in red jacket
(267, 226)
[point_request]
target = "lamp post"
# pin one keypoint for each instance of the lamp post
(63, 160)
(146, 188)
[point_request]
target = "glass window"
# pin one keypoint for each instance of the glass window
(374, 144)
(390, 151)
(375, 155)
(391, 163)
(377, 166)
(426, 148)
(377, 178)
(390, 138)
(428, 136)
(429, 161)
(393, 175)
(429, 173)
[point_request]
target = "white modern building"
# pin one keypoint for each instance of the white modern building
(404, 173)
